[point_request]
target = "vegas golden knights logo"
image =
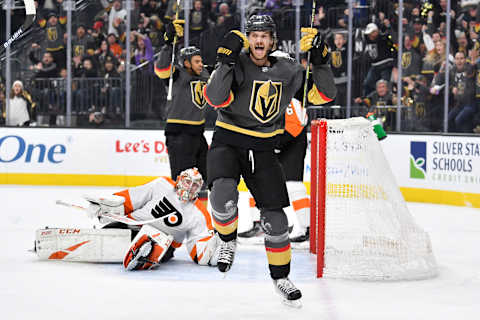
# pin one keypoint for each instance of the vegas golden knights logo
(78, 50)
(265, 100)
(336, 59)
(196, 88)
(420, 110)
(406, 60)
(52, 34)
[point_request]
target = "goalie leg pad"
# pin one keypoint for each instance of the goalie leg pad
(147, 249)
(82, 245)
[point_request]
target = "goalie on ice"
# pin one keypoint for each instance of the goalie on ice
(172, 211)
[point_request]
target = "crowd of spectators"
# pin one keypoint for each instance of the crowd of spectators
(99, 57)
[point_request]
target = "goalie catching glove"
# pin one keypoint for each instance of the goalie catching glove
(173, 29)
(147, 249)
(313, 41)
(231, 46)
(100, 204)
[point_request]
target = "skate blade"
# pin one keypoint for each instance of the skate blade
(297, 304)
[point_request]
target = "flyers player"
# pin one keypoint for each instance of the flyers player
(185, 141)
(291, 152)
(186, 220)
(251, 91)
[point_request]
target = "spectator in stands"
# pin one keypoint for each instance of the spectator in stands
(381, 52)
(198, 22)
(463, 90)
(421, 106)
(144, 50)
(111, 90)
(82, 42)
(114, 46)
(20, 109)
(102, 54)
(54, 39)
(433, 60)
(411, 60)
(46, 68)
(339, 68)
(116, 16)
(377, 102)
(86, 86)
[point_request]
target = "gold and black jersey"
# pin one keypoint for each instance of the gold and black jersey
(186, 111)
(251, 100)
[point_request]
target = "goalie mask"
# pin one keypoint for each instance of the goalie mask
(188, 184)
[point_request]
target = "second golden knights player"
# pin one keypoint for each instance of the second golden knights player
(186, 144)
(251, 91)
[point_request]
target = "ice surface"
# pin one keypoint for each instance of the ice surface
(33, 289)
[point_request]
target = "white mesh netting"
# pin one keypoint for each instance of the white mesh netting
(369, 232)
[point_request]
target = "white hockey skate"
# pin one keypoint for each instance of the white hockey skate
(291, 295)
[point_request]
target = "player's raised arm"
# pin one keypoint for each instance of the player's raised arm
(218, 91)
(163, 65)
(324, 89)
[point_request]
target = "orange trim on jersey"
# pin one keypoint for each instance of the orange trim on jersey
(223, 105)
(193, 253)
(59, 255)
(169, 180)
(206, 238)
(205, 213)
(301, 204)
(176, 245)
(127, 205)
(251, 202)
(163, 73)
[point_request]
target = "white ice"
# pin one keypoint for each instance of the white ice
(33, 289)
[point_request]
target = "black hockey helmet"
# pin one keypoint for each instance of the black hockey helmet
(187, 53)
(262, 23)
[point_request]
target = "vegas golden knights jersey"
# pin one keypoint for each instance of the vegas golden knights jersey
(251, 100)
(186, 111)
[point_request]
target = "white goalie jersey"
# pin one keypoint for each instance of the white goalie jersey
(188, 222)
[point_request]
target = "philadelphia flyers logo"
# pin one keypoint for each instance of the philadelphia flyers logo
(164, 208)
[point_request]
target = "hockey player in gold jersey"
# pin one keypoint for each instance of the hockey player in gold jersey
(251, 91)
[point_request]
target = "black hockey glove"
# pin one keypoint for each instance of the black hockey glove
(320, 51)
(231, 46)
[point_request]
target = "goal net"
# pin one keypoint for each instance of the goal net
(360, 225)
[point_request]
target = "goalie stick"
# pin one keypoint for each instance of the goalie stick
(30, 14)
(114, 217)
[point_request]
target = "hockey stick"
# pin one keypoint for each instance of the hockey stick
(175, 38)
(30, 12)
(114, 217)
(305, 86)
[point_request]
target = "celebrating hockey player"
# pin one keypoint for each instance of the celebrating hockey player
(185, 141)
(251, 91)
(174, 215)
(291, 152)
